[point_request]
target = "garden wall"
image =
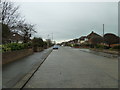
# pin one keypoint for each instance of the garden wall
(38, 49)
(8, 57)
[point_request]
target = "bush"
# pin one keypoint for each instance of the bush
(101, 46)
(5, 48)
(0, 48)
(76, 45)
(116, 47)
(15, 46)
(37, 42)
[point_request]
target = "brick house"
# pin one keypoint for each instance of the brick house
(15, 38)
(91, 35)
(83, 39)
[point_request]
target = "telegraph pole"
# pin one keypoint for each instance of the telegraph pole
(52, 36)
(103, 34)
(103, 30)
(48, 41)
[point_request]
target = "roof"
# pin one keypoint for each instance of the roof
(82, 37)
(92, 34)
(16, 36)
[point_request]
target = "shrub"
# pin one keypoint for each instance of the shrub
(15, 46)
(116, 47)
(37, 42)
(101, 46)
(5, 48)
(0, 48)
(76, 45)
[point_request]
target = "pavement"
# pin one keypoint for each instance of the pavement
(72, 68)
(13, 72)
(100, 53)
(0, 70)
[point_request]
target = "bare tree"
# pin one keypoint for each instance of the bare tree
(27, 31)
(11, 18)
(10, 14)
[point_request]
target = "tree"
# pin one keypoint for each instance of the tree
(45, 44)
(11, 19)
(49, 42)
(37, 42)
(10, 14)
(27, 30)
(110, 38)
(5, 33)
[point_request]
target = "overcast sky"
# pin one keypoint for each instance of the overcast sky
(69, 20)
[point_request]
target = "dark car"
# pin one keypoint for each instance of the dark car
(55, 47)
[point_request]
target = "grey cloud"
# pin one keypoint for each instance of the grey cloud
(71, 20)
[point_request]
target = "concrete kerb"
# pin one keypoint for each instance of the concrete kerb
(108, 55)
(20, 85)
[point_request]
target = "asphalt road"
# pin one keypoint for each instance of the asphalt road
(15, 71)
(72, 68)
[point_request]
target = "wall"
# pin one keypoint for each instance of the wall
(38, 49)
(15, 55)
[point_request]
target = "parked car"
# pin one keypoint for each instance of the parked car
(55, 47)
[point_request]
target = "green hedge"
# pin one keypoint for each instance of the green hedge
(76, 45)
(15, 46)
(116, 47)
(101, 46)
(4, 48)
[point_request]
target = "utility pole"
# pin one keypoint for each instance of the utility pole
(103, 35)
(103, 30)
(48, 41)
(52, 36)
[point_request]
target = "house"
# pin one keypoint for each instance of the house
(15, 38)
(92, 35)
(75, 41)
(83, 39)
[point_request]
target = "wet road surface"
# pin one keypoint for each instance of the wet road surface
(15, 71)
(72, 68)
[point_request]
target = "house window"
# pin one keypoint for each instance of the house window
(13, 34)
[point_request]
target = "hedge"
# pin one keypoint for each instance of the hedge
(116, 47)
(15, 46)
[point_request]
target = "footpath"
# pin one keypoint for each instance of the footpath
(17, 73)
(105, 53)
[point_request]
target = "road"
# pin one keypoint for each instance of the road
(72, 68)
(15, 71)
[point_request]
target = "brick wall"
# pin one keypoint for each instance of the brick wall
(15, 55)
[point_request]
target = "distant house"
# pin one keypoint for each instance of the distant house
(83, 39)
(75, 41)
(110, 38)
(92, 35)
(15, 38)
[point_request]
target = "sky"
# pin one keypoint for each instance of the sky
(69, 20)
